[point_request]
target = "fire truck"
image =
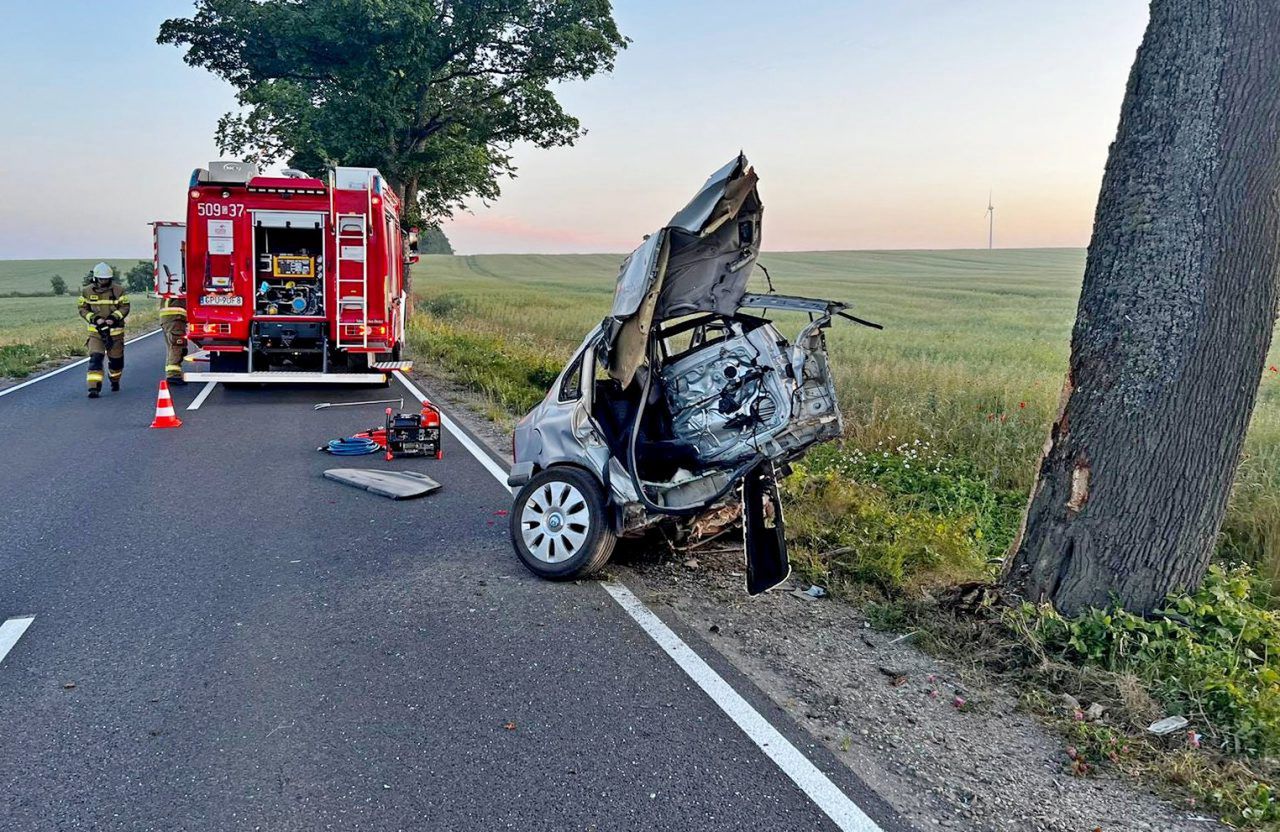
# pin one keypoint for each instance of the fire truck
(289, 278)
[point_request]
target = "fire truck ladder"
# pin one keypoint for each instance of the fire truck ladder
(353, 238)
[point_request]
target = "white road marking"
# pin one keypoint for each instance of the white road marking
(204, 394)
(844, 813)
(11, 631)
(459, 434)
(828, 797)
(15, 388)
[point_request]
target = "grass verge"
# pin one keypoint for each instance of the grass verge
(49, 332)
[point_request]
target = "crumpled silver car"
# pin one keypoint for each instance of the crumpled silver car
(684, 399)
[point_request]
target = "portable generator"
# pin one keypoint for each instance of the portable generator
(414, 434)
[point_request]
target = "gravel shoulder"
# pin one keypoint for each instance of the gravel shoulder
(888, 711)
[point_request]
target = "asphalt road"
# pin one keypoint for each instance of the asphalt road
(224, 640)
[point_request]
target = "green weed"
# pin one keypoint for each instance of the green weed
(1213, 655)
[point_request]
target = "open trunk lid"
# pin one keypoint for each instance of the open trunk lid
(700, 261)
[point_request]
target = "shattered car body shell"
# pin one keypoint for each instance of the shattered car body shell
(685, 391)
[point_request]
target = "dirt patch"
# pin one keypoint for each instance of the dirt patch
(946, 749)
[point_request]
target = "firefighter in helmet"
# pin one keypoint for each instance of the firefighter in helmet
(173, 323)
(104, 305)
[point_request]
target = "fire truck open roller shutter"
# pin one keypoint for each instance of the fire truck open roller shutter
(288, 219)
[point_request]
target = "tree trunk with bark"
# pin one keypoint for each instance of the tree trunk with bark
(408, 194)
(1175, 318)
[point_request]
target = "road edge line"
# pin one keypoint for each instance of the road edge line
(202, 395)
(15, 388)
(825, 794)
(11, 631)
(819, 788)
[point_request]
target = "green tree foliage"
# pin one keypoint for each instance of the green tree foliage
(433, 241)
(59, 284)
(140, 278)
(432, 92)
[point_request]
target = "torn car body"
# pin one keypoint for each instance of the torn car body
(684, 398)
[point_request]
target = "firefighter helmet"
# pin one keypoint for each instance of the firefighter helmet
(102, 272)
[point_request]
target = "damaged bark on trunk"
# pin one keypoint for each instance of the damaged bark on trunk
(1175, 318)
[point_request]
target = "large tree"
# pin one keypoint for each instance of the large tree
(432, 92)
(1175, 318)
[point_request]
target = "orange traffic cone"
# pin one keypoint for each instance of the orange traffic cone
(165, 415)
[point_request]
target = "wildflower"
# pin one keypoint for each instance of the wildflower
(1193, 739)
(1022, 405)
(959, 702)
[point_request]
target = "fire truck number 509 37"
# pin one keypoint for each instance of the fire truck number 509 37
(215, 209)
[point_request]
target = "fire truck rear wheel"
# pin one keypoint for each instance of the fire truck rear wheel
(560, 524)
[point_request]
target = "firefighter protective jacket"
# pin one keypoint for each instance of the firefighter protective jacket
(111, 303)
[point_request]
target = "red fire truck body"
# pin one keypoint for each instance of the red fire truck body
(292, 278)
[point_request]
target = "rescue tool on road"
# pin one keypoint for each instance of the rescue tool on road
(289, 278)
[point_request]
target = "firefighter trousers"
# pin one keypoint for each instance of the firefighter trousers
(113, 353)
(174, 328)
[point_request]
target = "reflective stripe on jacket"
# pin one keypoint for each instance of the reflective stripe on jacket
(173, 306)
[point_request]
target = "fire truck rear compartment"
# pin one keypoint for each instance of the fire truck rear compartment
(289, 269)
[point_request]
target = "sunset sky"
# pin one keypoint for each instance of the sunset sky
(871, 124)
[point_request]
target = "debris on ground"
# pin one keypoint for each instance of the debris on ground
(813, 593)
(1168, 725)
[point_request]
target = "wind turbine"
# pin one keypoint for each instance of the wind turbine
(991, 222)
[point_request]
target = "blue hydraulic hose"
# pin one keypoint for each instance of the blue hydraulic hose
(352, 446)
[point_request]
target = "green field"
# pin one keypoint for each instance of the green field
(971, 359)
(37, 330)
(32, 276)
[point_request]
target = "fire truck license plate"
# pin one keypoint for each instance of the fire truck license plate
(221, 300)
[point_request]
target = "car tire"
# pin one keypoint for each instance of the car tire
(560, 524)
